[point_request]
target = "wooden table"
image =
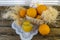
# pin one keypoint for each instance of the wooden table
(7, 33)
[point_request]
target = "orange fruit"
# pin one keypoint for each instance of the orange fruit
(31, 12)
(22, 12)
(27, 26)
(44, 29)
(41, 8)
(38, 17)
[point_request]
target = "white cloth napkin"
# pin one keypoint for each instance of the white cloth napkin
(24, 35)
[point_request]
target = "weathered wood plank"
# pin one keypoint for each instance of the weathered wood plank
(55, 31)
(5, 23)
(36, 37)
(40, 37)
(7, 30)
(56, 38)
(8, 37)
(10, 31)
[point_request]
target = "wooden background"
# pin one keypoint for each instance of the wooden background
(7, 33)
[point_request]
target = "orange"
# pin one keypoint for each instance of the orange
(41, 8)
(27, 26)
(31, 12)
(44, 29)
(22, 12)
(38, 17)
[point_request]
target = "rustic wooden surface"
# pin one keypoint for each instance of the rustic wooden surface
(7, 33)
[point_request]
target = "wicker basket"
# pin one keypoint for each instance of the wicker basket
(35, 21)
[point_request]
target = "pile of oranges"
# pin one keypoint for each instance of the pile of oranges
(36, 13)
(33, 12)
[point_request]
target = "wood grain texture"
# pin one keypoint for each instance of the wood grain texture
(36, 37)
(7, 37)
(40, 37)
(5, 23)
(7, 31)
(10, 31)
